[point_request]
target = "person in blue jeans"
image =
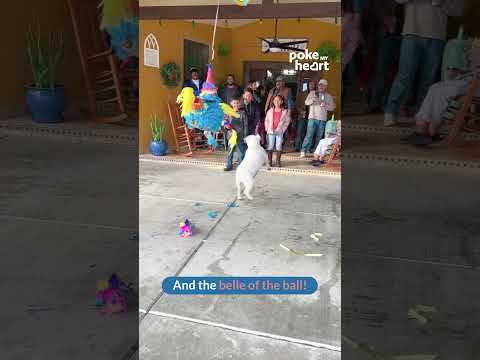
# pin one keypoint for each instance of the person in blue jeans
(320, 103)
(424, 33)
(302, 118)
(389, 39)
(240, 125)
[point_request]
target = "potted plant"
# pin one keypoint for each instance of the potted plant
(45, 97)
(158, 145)
(328, 48)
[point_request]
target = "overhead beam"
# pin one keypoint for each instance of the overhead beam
(264, 11)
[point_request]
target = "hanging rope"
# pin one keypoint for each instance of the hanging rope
(214, 32)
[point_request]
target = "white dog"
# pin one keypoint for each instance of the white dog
(255, 158)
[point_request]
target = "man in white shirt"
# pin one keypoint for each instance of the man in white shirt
(320, 103)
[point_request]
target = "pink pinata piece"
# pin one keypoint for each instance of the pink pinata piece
(113, 301)
(186, 229)
(209, 85)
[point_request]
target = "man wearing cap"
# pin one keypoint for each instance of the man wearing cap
(279, 89)
(320, 103)
(194, 82)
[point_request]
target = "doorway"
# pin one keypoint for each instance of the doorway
(195, 54)
(267, 71)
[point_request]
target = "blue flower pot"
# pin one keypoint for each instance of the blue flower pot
(46, 105)
(158, 148)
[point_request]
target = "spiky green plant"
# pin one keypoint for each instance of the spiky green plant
(158, 129)
(45, 54)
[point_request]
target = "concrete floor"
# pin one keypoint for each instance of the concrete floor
(67, 211)
(242, 241)
(405, 243)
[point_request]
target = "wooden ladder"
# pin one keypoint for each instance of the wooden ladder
(99, 65)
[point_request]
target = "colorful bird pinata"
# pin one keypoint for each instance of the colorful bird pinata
(120, 21)
(205, 112)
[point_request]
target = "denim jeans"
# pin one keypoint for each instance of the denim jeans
(240, 149)
(417, 55)
(301, 129)
(315, 129)
(387, 54)
(275, 141)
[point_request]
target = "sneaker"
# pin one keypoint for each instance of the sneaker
(228, 168)
(319, 163)
(302, 154)
(389, 120)
(423, 140)
(437, 138)
(411, 138)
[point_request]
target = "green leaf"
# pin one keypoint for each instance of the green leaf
(328, 48)
(45, 53)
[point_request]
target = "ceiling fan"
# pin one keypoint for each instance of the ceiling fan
(276, 45)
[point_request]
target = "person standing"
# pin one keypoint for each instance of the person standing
(283, 91)
(240, 125)
(276, 124)
(424, 33)
(389, 21)
(320, 103)
(230, 90)
(194, 82)
(302, 115)
(260, 95)
(252, 112)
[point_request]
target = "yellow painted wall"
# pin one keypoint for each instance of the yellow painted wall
(52, 15)
(245, 46)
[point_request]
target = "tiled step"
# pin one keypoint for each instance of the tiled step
(397, 131)
(411, 161)
(72, 132)
(220, 164)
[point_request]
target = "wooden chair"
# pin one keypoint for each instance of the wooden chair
(335, 153)
(99, 65)
(184, 141)
(221, 139)
(466, 117)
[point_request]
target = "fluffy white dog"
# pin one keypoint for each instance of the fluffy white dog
(255, 158)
